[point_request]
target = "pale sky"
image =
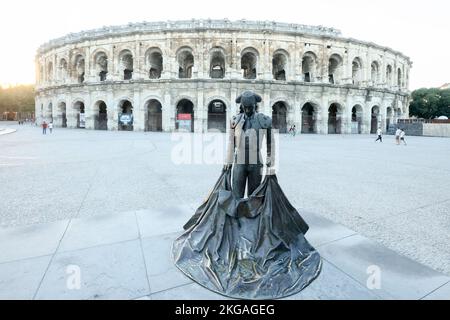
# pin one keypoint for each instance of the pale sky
(419, 29)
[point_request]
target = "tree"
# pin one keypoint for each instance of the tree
(17, 99)
(430, 103)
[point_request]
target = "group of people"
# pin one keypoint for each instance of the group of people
(46, 125)
(399, 136)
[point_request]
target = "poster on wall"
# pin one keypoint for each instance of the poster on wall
(126, 119)
(184, 121)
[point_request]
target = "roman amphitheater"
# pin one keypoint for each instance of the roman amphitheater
(166, 76)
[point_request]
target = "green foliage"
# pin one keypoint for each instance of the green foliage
(17, 99)
(430, 103)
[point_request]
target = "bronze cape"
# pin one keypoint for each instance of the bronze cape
(251, 248)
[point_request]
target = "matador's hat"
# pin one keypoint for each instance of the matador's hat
(248, 99)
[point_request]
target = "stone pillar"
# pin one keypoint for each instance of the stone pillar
(112, 112)
(71, 115)
(266, 65)
(267, 108)
(91, 113)
(138, 112)
(168, 116)
(200, 122)
(367, 120)
(322, 118)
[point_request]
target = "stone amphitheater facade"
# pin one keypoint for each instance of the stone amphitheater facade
(187, 74)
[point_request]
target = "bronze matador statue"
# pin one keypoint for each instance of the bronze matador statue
(253, 247)
(248, 131)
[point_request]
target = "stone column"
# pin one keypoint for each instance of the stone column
(266, 65)
(168, 116)
(138, 112)
(71, 115)
(112, 112)
(200, 121)
(322, 118)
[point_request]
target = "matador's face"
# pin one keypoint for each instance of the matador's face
(249, 110)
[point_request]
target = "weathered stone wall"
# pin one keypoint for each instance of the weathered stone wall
(293, 65)
(436, 129)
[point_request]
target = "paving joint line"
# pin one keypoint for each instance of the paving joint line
(143, 254)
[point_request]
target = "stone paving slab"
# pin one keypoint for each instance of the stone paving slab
(128, 256)
(6, 131)
(20, 279)
(30, 241)
(163, 221)
(322, 230)
(188, 292)
(99, 230)
(333, 284)
(162, 273)
(401, 278)
(443, 293)
(114, 271)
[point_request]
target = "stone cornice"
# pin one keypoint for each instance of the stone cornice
(188, 25)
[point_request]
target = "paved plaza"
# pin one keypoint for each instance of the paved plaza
(96, 200)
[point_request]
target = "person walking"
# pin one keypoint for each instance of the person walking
(50, 127)
(44, 127)
(397, 136)
(294, 131)
(402, 136)
(379, 135)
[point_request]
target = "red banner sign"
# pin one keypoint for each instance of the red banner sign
(184, 116)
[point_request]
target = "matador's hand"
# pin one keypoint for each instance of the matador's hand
(227, 166)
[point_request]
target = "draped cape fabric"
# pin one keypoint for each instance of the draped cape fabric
(252, 248)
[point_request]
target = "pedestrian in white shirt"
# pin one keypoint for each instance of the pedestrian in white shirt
(402, 136)
(50, 127)
(397, 136)
(379, 135)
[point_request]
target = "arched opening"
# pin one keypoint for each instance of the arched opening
(80, 112)
(389, 117)
(389, 75)
(49, 112)
(279, 117)
(308, 118)
(357, 119)
(101, 65)
(62, 69)
(155, 64)
(153, 116)
(248, 65)
(63, 112)
(125, 116)
(374, 119)
(357, 71)
(279, 66)
(185, 64)
(334, 119)
(217, 116)
(374, 72)
(335, 69)
(308, 66)
(217, 65)
(126, 63)
(41, 73)
(101, 118)
(185, 115)
(50, 71)
(79, 68)
(399, 113)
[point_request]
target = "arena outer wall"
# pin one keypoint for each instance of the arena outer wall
(311, 77)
